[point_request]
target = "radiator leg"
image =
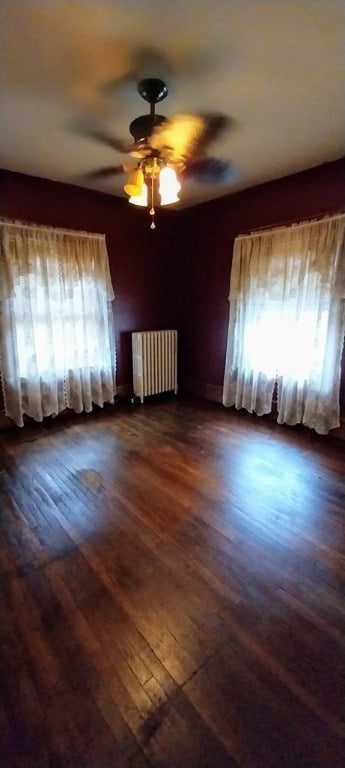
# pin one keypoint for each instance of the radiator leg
(142, 400)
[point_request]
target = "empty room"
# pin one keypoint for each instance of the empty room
(172, 384)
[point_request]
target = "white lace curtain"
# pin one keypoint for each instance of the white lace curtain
(57, 347)
(287, 323)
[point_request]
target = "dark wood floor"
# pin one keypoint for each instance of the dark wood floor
(173, 592)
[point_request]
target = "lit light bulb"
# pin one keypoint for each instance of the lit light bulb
(140, 199)
(169, 186)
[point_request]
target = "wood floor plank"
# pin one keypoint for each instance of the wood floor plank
(173, 581)
(259, 729)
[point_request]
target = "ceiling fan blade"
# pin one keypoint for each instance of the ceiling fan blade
(188, 136)
(215, 125)
(146, 61)
(88, 130)
(178, 138)
(138, 149)
(104, 173)
(211, 170)
(120, 145)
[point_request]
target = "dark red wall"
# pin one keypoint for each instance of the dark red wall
(140, 259)
(178, 275)
(206, 237)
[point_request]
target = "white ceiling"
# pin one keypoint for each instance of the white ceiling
(276, 67)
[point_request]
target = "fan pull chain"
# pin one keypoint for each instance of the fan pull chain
(152, 210)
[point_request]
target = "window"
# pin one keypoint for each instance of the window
(56, 324)
(282, 344)
(71, 336)
(287, 323)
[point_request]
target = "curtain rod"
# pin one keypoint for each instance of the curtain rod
(60, 230)
(287, 225)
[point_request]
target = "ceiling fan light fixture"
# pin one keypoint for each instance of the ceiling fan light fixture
(140, 199)
(169, 199)
(169, 186)
(165, 147)
(135, 183)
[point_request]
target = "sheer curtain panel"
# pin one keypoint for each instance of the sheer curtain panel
(287, 323)
(57, 346)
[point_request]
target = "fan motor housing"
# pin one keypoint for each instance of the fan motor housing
(142, 127)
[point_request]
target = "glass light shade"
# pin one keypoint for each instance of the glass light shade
(169, 186)
(169, 199)
(140, 199)
(135, 182)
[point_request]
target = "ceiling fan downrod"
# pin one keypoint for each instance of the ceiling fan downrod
(152, 90)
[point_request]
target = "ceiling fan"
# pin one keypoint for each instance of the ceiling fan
(166, 149)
